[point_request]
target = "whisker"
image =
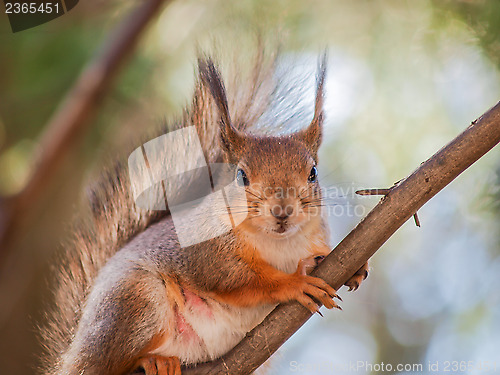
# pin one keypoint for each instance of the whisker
(254, 194)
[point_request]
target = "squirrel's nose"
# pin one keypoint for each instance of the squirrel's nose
(280, 212)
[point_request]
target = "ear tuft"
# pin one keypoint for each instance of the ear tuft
(211, 79)
(313, 134)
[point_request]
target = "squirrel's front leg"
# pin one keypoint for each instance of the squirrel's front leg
(266, 284)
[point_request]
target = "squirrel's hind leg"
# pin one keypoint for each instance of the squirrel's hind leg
(355, 281)
(159, 365)
(124, 320)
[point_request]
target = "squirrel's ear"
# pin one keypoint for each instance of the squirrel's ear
(231, 140)
(211, 79)
(313, 134)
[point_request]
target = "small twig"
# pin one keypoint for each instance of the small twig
(417, 220)
(373, 191)
(385, 192)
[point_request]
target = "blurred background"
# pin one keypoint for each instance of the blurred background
(405, 77)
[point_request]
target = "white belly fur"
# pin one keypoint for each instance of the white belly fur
(213, 334)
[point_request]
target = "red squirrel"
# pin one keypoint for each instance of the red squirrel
(129, 296)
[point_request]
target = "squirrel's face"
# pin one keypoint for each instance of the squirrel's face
(280, 177)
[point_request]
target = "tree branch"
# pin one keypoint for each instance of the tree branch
(66, 126)
(403, 200)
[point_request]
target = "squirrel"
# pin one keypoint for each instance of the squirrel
(129, 296)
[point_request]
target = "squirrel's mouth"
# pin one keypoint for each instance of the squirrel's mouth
(281, 229)
(284, 230)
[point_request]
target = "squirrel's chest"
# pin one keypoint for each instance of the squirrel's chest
(285, 254)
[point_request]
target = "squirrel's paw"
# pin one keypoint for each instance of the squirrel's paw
(355, 281)
(159, 365)
(306, 265)
(317, 288)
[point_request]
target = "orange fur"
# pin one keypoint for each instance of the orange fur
(160, 365)
(173, 290)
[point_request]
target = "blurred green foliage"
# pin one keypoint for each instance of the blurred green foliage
(483, 17)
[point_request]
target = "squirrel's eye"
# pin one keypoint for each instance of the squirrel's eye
(313, 176)
(241, 178)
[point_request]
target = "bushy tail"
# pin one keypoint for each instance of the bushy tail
(115, 217)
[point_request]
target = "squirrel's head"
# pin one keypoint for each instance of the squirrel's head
(280, 177)
(279, 174)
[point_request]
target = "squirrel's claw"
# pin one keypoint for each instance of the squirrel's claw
(320, 290)
(308, 303)
(353, 284)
